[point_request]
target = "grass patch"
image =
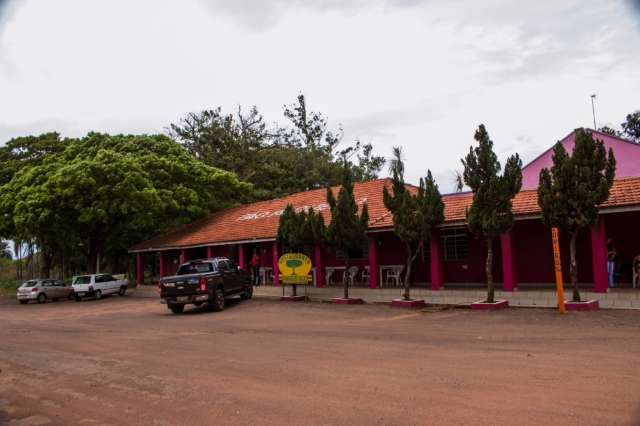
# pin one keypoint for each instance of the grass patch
(9, 287)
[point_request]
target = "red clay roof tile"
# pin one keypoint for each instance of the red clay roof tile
(259, 221)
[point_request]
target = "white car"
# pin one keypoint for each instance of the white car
(97, 285)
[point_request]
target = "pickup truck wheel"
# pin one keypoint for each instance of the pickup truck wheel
(71, 296)
(247, 293)
(42, 298)
(217, 304)
(122, 291)
(176, 309)
(77, 298)
(98, 295)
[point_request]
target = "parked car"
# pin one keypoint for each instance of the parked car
(42, 290)
(204, 281)
(97, 285)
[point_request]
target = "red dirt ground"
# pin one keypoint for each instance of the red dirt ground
(129, 361)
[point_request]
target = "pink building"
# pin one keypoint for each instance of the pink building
(523, 256)
(627, 154)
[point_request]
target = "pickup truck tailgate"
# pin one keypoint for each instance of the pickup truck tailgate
(185, 285)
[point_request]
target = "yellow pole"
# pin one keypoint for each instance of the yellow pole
(558, 268)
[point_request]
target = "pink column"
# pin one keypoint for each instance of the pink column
(242, 259)
(209, 252)
(183, 256)
(163, 265)
(275, 256)
(599, 257)
(319, 264)
(139, 269)
(509, 281)
(437, 274)
(374, 265)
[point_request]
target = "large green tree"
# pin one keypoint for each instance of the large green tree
(279, 159)
(570, 192)
(27, 151)
(491, 212)
(347, 229)
(104, 193)
(414, 215)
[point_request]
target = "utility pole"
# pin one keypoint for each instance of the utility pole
(593, 109)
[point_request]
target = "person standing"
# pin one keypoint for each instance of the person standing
(611, 261)
(255, 267)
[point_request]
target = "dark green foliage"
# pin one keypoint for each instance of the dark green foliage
(570, 192)
(347, 229)
(28, 151)
(316, 230)
(609, 131)
(631, 127)
(298, 231)
(103, 193)
(490, 213)
(292, 230)
(414, 215)
(279, 160)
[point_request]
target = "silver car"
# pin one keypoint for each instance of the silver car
(42, 290)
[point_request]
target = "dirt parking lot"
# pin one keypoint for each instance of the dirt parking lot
(129, 361)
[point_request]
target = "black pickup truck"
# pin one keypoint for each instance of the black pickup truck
(207, 281)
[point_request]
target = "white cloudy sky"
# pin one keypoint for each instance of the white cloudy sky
(421, 74)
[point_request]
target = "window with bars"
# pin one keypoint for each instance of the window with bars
(455, 244)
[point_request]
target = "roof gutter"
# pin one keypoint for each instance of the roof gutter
(221, 243)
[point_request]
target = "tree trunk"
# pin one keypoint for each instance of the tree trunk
(406, 294)
(17, 248)
(47, 261)
(573, 266)
(93, 257)
(489, 271)
(345, 280)
(411, 257)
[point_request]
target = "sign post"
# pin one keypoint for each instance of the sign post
(294, 270)
(558, 269)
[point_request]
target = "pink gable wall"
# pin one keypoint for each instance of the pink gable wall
(627, 158)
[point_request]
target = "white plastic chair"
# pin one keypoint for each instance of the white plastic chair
(365, 275)
(328, 273)
(350, 274)
(393, 276)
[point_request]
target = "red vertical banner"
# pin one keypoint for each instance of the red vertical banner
(558, 269)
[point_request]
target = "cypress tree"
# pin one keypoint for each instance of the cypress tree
(490, 213)
(569, 193)
(347, 229)
(413, 215)
(291, 230)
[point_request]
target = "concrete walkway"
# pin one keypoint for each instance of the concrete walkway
(614, 299)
